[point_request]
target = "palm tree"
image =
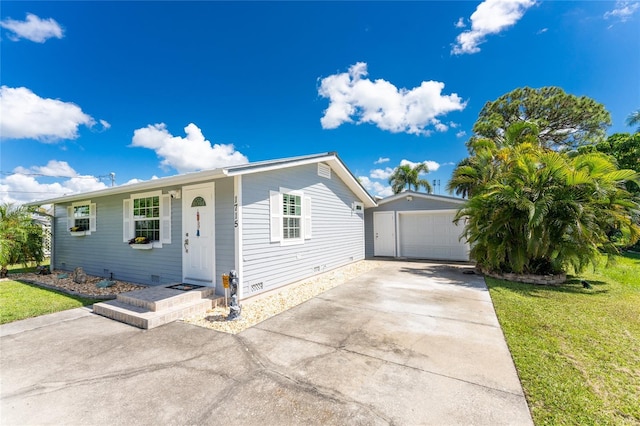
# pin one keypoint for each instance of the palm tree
(544, 211)
(634, 119)
(20, 238)
(407, 176)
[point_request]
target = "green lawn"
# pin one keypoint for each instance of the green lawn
(20, 300)
(577, 350)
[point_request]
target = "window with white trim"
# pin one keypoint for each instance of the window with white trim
(147, 215)
(290, 216)
(81, 217)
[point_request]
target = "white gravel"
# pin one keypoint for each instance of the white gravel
(259, 309)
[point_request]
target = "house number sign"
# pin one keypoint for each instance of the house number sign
(235, 211)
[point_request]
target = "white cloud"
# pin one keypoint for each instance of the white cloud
(187, 154)
(490, 17)
(354, 98)
(623, 10)
(381, 173)
(460, 23)
(381, 160)
(54, 168)
(105, 124)
(24, 185)
(542, 31)
(33, 28)
(375, 188)
(432, 165)
(25, 115)
(461, 134)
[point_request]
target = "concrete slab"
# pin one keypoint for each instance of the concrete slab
(409, 343)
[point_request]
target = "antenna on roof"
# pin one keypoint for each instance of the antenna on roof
(112, 176)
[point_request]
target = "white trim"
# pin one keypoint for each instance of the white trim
(239, 262)
(337, 167)
(163, 218)
(395, 231)
(71, 220)
(422, 195)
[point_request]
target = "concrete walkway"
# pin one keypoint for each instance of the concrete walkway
(406, 344)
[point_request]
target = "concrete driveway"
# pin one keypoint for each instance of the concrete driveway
(406, 344)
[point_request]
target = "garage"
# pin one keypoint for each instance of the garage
(414, 225)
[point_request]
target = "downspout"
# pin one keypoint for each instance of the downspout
(237, 223)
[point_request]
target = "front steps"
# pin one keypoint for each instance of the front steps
(155, 306)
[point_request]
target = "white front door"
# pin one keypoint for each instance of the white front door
(384, 234)
(198, 235)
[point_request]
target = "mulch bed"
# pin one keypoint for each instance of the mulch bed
(57, 281)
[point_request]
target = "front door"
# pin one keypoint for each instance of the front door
(384, 234)
(198, 235)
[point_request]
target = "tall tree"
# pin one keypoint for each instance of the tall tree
(563, 121)
(20, 237)
(634, 119)
(405, 176)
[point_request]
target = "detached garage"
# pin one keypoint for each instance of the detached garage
(414, 225)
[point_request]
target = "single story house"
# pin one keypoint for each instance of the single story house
(274, 222)
(415, 225)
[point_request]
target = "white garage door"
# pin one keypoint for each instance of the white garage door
(431, 235)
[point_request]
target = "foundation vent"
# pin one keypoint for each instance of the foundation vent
(256, 287)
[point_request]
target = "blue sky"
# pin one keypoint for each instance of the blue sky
(152, 89)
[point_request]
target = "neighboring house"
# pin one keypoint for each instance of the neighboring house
(274, 222)
(415, 225)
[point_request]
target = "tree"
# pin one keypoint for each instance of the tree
(20, 237)
(407, 176)
(634, 120)
(625, 149)
(563, 121)
(543, 210)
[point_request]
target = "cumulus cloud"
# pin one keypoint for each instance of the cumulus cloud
(53, 168)
(353, 98)
(26, 115)
(381, 173)
(33, 28)
(375, 188)
(186, 154)
(623, 10)
(461, 134)
(381, 160)
(460, 23)
(432, 165)
(490, 17)
(26, 183)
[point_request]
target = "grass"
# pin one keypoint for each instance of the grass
(577, 350)
(20, 300)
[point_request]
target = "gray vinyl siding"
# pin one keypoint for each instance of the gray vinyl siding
(224, 231)
(337, 232)
(401, 205)
(104, 252)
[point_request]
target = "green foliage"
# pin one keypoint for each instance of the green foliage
(535, 204)
(19, 301)
(407, 176)
(20, 236)
(564, 121)
(634, 119)
(625, 149)
(577, 350)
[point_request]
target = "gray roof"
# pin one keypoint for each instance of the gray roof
(330, 158)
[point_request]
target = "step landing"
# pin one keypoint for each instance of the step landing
(155, 306)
